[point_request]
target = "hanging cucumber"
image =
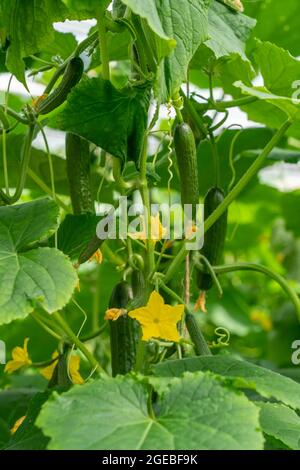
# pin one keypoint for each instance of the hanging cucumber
(186, 153)
(214, 239)
(71, 77)
(200, 345)
(123, 332)
(138, 289)
(78, 172)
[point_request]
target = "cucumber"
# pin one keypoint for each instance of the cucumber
(60, 377)
(78, 172)
(186, 153)
(123, 332)
(200, 345)
(71, 77)
(215, 237)
(94, 244)
(138, 289)
(138, 283)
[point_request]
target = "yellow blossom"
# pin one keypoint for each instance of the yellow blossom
(17, 424)
(97, 256)
(113, 313)
(37, 101)
(190, 231)
(201, 302)
(158, 232)
(74, 365)
(158, 320)
(20, 358)
(262, 318)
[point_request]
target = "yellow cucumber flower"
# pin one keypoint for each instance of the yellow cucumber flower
(74, 365)
(97, 256)
(157, 231)
(114, 313)
(20, 358)
(17, 424)
(158, 320)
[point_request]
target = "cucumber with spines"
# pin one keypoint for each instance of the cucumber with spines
(123, 332)
(214, 239)
(78, 159)
(71, 77)
(200, 345)
(186, 154)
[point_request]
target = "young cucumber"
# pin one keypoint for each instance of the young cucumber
(71, 77)
(78, 172)
(200, 345)
(186, 153)
(214, 239)
(123, 332)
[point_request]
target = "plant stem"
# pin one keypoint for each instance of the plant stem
(267, 272)
(13, 114)
(45, 325)
(3, 118)
(211, 271)
(104, 57)
(195, 333)
(70, 333)
(216, 159)
(24, 166)
(95, 334)
(79, 49)
(246, 178)
(195, 116)
(254, 168)
(5, 171)
(112, 256)
(146, 201)
(222, 105)
(46, 189)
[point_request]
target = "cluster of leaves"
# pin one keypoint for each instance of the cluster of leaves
(218, 402)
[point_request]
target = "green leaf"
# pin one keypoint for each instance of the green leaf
(224, 53)
(187, 23)
(74, 233)
(14, 403)
(290, 211)
(27, 274)
(278, 68)
(289, 106)
(277, 155)
(63, 45)
(27, 223)
(228, 31)
(150, 12)
(281, 422)
(267, 383)
(177, 30)
(88, 7)
(29, 27)
(115, 120)
(279, 98)
(113, 414)
(28, 436)
(277, 22)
